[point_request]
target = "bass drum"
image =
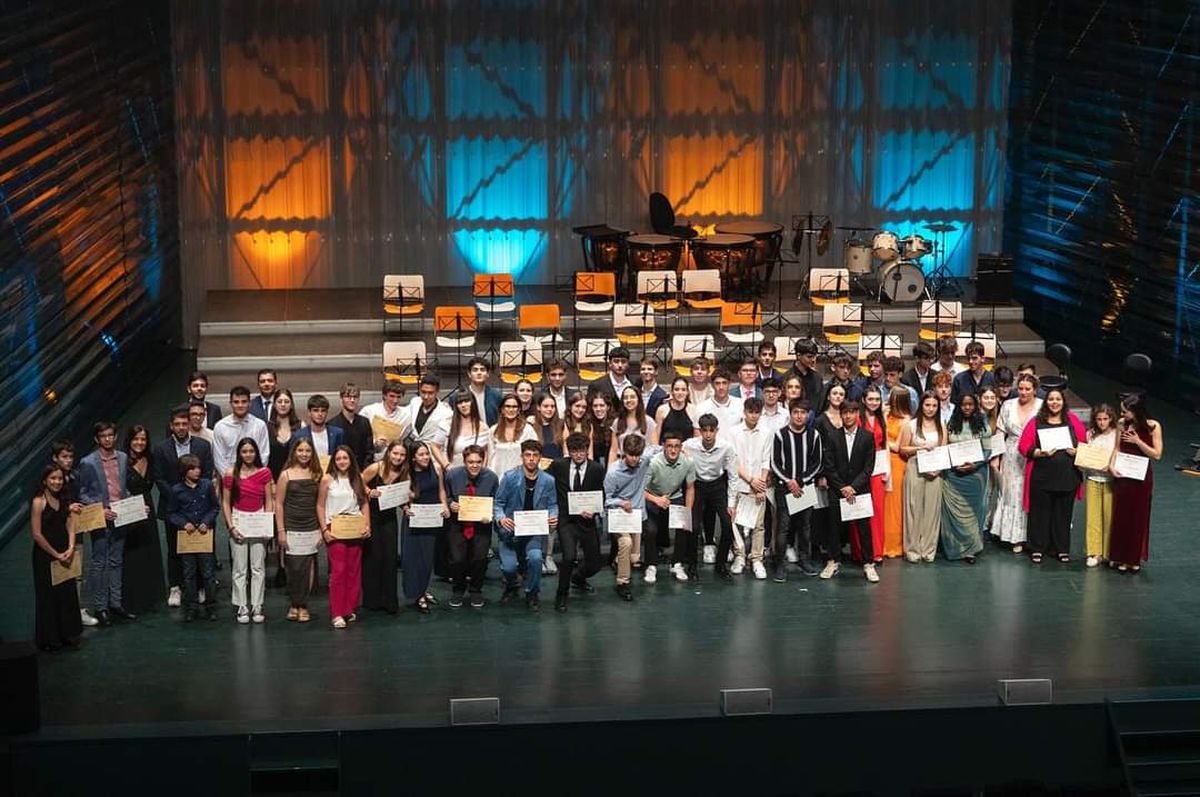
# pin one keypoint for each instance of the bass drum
(901, 281)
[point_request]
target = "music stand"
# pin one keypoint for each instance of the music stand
(414, 365)
(489, 287)
(457, 323)
(936, 313)
(842, 323)
(406, 291)
(593, 350)
(939, 280)
(686, 348)
(991, 343)
(521, 355)
(739, 339)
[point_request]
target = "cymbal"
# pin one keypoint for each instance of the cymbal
(855, 229)
(941, 227)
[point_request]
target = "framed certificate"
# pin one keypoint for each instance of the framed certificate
(934, 460)
(425, 516)
(883, 463)
(581, 501)
(394, 494)
(679, 517)
(622, 522)
(347, 527)
(90, 518)
(194, 542)
(254, 525)
(965, 452)
(531, 523)
(1090, 456)
(807, 500)
(1056, 438)
(68, 572)
(323, 461)
(1131, 466)
(129, 510)
(859, 510)
(475, 508)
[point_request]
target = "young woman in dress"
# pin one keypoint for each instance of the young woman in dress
(297, 526)
(1102, 433)
(465, 428)
(143, 584)
(524, 392)
(989, 406)
(511, 429)
(964, 487)
(1141, 436)
(899, 413)
(1009, 521)
(381, 548)
(1052, 482)
(630, 420)
(343, 494)
(283, 424)
(872, 421)
(675, 414)
(576, 417)
(600, 426)
(548, 426)
(418, 543)
(57, 621)
(922, 491)
(248, 488)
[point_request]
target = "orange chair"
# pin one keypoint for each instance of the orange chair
(595, 291)
(741, 326)
(539, 323)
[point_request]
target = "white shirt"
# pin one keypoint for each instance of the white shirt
(728, 415)
(711, 463)
(560, 400)
(774, 422)
(850, 435)
(228, 431)
(480, 400)
(946, 410)
(698, 397)
(400, 416)
(753, 448)
(320, 441)
(955, 369)
(504, 456)
(432, 432)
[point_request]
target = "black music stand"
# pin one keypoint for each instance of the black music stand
(777, 320)
(456, 324)
(754, 309)
(834, 283)
(403, 296)
(938, 317)
(664, 289)
(490, 282)
(522, 359)
(939, 281)
(415, 367)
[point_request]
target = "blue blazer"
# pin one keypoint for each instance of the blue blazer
(491, 402)
(259, 407)
(510, 495)
(334, 434)
(93, 486)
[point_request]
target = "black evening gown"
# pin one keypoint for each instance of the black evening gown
(56, 608)
(143, 586)
(379, 590)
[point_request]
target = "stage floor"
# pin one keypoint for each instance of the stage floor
(928, 635)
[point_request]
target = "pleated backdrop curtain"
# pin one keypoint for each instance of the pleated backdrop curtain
(326, 143)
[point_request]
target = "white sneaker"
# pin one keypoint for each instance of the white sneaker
(1092, 561)
(87, 619)
(872, 576)
(729, 556)
(651, 574)
(739, 564)
(175, 597)
(243, 615)
(710, 554)
(790, 554)
(760, 571)
(257, 615)
(679, 572)
(830, 570)
(200, 596)
(548, 566)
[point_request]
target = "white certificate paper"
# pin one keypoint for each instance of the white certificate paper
(1131, 466)
(622, 522)
(129, 510)
(822, 498)
(582, 501)
(934, 460)
(679, 517)
(997, 444)
(532, 523)
(965, 452)
(746, 514)
(860, 509)
(254, 525)
(883, 463)
(394, 494)
(426, 516)
(808, 498)
(1056, 438)
(303, 543)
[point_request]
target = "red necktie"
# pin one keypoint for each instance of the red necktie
(469, 528)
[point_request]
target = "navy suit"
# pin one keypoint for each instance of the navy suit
(260, 407)
(107, 566)
(333, 434)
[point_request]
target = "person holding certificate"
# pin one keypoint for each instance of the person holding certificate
(297, 527)
(426, 517)
(922, 491)
(1140, 436)
(1010, 521)
(748, 487)
(468, 541)
(389, 420)
(342, 495)
(248, 488)
(577, 473)
(796, 461)
(964, 488)
(57, 620)
(142, 576)
(899, 413)
(381, 548)
(194, 510)
(528, 489)
(102, 477)
(625, 499)
(872, 422)
(1051, 479)
(670, 481)
(849, 460)
(989, 407)
(1102, 435)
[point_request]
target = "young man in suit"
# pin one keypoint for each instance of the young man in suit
(102, 480)
(356, 430)
(525, 488)
(975, 378)
(430, 418)
(576, 472)
(164, 467)
(918, 377)
(849, 460)
(261, 405)
(653, 394)
(198, 394)
(805, 367)
(487, 398)
(325, 438)
(617, 378)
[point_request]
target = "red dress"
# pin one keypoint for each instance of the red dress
(878, 493)
(1130, 541)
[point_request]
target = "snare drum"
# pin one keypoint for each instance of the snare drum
(767, 237)
(856, 256)
(902, 281)
(652, 252)
(886, 245)
(915, 247)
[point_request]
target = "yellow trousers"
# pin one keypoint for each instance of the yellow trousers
(1099, 517)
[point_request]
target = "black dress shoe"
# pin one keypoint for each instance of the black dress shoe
(560, 603)
(533, 602)
(509, 594)
(582, 585)
(724, 574)
(121, 613)
(104, 618)
(624, 592)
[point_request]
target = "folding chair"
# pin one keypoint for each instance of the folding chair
(633, 324)
(937, 318)
(842, 323)
(520, 359)
(595, 291)
(591, 357)
(741, 326)
(988, 339)
(785, 353)
(828, 285)
(494, 299)
(659, 289)
(887, 345)
(455, 328)
(702, 289)
(403, 294)
(540, 323)
(404, 361)
(686, 348)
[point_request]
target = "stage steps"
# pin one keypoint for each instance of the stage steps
(1159, 743)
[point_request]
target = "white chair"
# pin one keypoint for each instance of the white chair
(519, 360)
(988, 339)
(659, 289)
(828, 285)
(842, 322)
(633, 324)
(785, 353)
(591, 357)
(404, 361)
(686, 348)
(403, 294)
(701, 289)
(937, 318)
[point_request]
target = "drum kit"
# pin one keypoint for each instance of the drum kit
(890, 266)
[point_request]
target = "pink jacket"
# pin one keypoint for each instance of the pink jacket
(1028, 443)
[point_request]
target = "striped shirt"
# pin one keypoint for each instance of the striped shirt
(797, 455)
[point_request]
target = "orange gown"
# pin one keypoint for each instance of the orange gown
(893, 502)
(878, 493)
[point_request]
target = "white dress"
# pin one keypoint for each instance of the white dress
(465, 438)
(1009, 521)
(503, 457)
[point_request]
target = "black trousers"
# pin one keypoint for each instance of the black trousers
(379, 568)
(712, 499)
(658, 522)
(174, 564)
(573, 537)
(1049, 526)
(467, 559)
(797, 526)
(838, 531)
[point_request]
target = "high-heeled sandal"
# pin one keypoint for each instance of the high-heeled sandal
(431, 599)
(1036, 558)
(1064, 558)
(422, 605)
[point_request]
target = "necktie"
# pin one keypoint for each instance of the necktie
(578, 478)
(469, 528)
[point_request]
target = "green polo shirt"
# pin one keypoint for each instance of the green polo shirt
(668, 479)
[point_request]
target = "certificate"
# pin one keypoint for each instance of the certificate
(346, 527)
(934, 460)
(807, 499)
(302, 543)
(859, 510)
(323, 461)
(194, 542)
(531, 523)
(475, 508)
(1131, 466)
(822, 498)
(679, 517)
(965, 452)
(622, 522)
(997, 444)
(545, 462)
(388, 430)
(129, 510)
(580, 501)
(394, 494)
(883, 463)
(254, 525)
(68, 572)
(1090, 456)
(90, 518)
(746, 514)
(1056, 438)
(426, 516)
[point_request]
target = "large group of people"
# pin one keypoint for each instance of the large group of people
(752, 468)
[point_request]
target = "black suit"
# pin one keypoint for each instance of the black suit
(853, 469)
(911, 379)
(574, 531)
(164, 469)
(604, 385)
(260, 407)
